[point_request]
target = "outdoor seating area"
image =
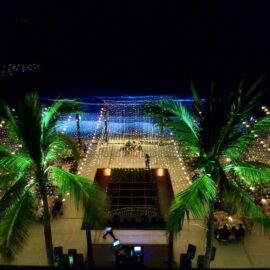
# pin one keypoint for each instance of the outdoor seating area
(228, 228)
(131, 148)
(55, 202)
(135, 135)
(141, 179)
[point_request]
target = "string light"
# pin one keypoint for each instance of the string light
(127, 121)
(11, 70)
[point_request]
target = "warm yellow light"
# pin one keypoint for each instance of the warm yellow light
(160, 172)
(107, 172)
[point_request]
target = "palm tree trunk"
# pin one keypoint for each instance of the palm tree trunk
(161, 134)
(47, 226)
(78, 130)
(89, 248)
(106, 132)
(209, 237)
(170, 251)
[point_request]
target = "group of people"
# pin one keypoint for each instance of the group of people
(55, 207)
(224, 234)
(131, 147)
(55, 202)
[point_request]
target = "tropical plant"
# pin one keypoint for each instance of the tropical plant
(159, 116)
(31, 161)
(215, 135)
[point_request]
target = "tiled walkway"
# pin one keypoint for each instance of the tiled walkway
(252, 252)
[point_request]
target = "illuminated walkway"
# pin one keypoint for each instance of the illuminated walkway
(110, 156)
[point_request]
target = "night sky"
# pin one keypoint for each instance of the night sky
(132, 47)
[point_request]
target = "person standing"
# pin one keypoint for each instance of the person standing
(147, 161)
(240, 233)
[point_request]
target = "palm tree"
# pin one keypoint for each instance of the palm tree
(31, 162)
(88, 228)
(215, 136)
(159, 116)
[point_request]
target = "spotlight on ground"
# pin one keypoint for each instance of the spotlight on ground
(116, 245)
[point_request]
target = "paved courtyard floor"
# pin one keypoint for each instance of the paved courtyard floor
(252, 252)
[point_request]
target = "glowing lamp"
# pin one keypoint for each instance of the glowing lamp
(137, 248)
(71, 260)
(107, 172)
(138, 251)
(160, 172)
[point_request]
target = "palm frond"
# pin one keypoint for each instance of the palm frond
(7, 178)
(242, 204)
(250, 172)
(10, 122)
(235, 147)
(86, 196)
(154, 111)
(13, 193)
(14, 225)
(28, 117)
(187, 141)
(15, 163)
(195, 198)
(245, 101)
(196, 98)
(261, 127)
(59, 146)
(61, 106)
(182, 114)
(237, 144)
(242, 105)
(179, 119)
(4, 152)
(12, 166)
